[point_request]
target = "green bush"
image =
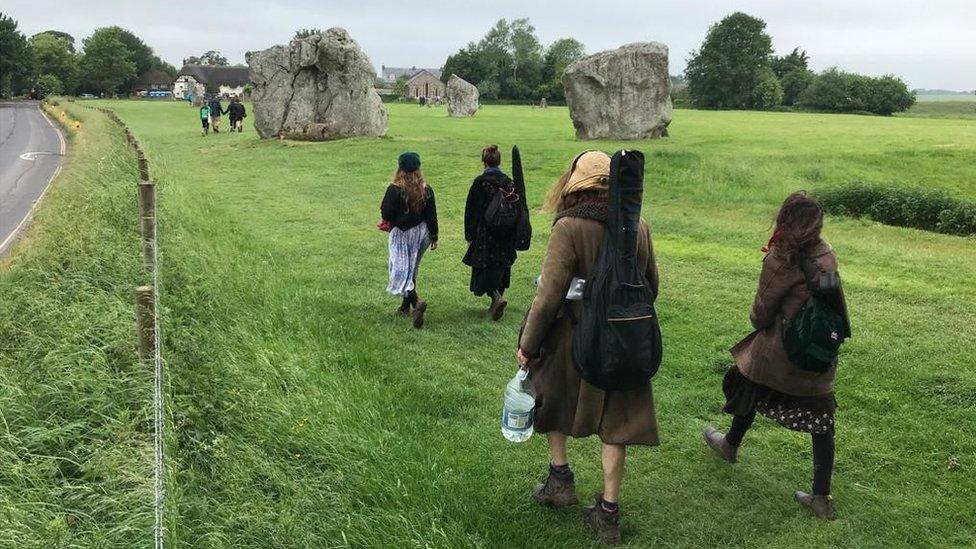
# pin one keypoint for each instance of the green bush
(768, 93)
(795, 83)
(48, 84)
(837, 91)
(917, 207)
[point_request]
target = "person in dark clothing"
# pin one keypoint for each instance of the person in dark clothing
(491, 250)
(215, 111)
(410, 210)
(764, 379)
(236, 114)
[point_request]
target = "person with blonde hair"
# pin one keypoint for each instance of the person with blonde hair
(409, 211)
(567, 405)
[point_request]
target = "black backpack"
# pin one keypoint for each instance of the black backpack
(617, 340)
(504, 207)
(813, 338)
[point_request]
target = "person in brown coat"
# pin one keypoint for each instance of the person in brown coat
(566, 405)
(763, 379)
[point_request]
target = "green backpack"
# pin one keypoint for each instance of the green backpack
(813, 338)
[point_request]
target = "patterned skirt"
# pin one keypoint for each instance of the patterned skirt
(743, 396)
(406, 249)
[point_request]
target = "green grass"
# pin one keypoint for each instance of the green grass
(937, 97)
(75, 414)
(943, 108)
(303, 414)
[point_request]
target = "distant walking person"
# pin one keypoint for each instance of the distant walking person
(567, 405)
(215, 111)
(236, 113)
(491, 216)
(409, 210)
(794, 392)
(205, 118)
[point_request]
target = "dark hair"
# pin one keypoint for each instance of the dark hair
(798, 225)
(491, 156)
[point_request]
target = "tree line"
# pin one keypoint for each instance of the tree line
(735, 68)
(510, 62)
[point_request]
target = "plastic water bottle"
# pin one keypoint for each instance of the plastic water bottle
(518, 412)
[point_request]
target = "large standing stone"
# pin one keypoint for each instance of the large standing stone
(319, 87)
(462, 97)
(620, 94)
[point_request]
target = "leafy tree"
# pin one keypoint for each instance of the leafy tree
(489, 88)
(62, 35)
(732, 59)
(305, 33)
(796, 60)
(48, 84)
(107, 63)
(837, 91)
(768, 92)
(213, 57)
(527, 62)
(54, 56)
(794, 83)
(14, 57)
(560, 55)
(400, 86)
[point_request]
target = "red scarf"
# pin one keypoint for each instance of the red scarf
(772, 240)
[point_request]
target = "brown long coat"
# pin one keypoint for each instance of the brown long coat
(782, 292)
(564, 402)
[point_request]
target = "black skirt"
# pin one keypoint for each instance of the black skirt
(485, 280)
(807, 414)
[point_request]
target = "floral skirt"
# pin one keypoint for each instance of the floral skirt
(406, 249)
(805, 414)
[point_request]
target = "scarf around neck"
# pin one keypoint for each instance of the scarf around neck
(597, 210)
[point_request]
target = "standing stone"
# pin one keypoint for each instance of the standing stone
(620, 94)
(319, 87)
(462, 97)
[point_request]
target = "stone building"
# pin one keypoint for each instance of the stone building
(389, 75)
(425, 84)
(217, 80)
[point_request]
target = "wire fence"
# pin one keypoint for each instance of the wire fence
(149, 338)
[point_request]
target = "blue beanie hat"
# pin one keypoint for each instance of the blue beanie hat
(409, 162)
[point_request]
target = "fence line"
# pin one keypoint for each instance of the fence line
(149, 340)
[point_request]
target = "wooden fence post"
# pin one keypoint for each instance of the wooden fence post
(143, 166)
(146, 323)
(147, 222)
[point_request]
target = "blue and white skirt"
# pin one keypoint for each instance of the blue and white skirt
(406, 249)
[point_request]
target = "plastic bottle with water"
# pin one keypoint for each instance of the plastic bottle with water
(518, 413)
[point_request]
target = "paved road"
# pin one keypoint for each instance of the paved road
(31, 150)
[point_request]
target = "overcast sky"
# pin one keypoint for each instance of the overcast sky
(930, 43)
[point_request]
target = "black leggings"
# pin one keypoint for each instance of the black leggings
(823, 451)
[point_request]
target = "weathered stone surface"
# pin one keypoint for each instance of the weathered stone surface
(462, 97)
(319, 87)
(620, 94)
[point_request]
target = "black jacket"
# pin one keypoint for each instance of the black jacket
(394, 209)
(487, 247)
(215, 109)
(236, 111)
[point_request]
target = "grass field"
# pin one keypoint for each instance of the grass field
(957, 109)
(303, 414)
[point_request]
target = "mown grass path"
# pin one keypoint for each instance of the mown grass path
(304, 414)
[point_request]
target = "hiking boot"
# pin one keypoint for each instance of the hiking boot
(403, 311)
(605, 525)
(418, 314)
(716, 441)
(497, 309)
(821, 507)
(556, 491)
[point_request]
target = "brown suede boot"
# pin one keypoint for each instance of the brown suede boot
(716, 441)
(821, 507)
(418, 314)
(605, 525)
(556, 491)
(497, 309)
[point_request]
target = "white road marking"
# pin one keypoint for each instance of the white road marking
(33, 155)
(6, 242)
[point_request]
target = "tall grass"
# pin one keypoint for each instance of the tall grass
(75, 455)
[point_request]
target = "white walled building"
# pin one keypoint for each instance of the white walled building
(211, 80)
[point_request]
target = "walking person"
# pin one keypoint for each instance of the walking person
(491, 215)
(764, 378)
(409, 209)
(236, 114)
(215, 111)
(567, 405)
(205, 118)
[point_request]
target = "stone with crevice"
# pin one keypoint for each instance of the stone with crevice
(462, 97)
(319, 87)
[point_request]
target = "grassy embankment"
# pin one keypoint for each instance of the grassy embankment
(304, 414)
(75, 452)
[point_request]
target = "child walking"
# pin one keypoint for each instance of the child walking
(205, 118)
(410, 210)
